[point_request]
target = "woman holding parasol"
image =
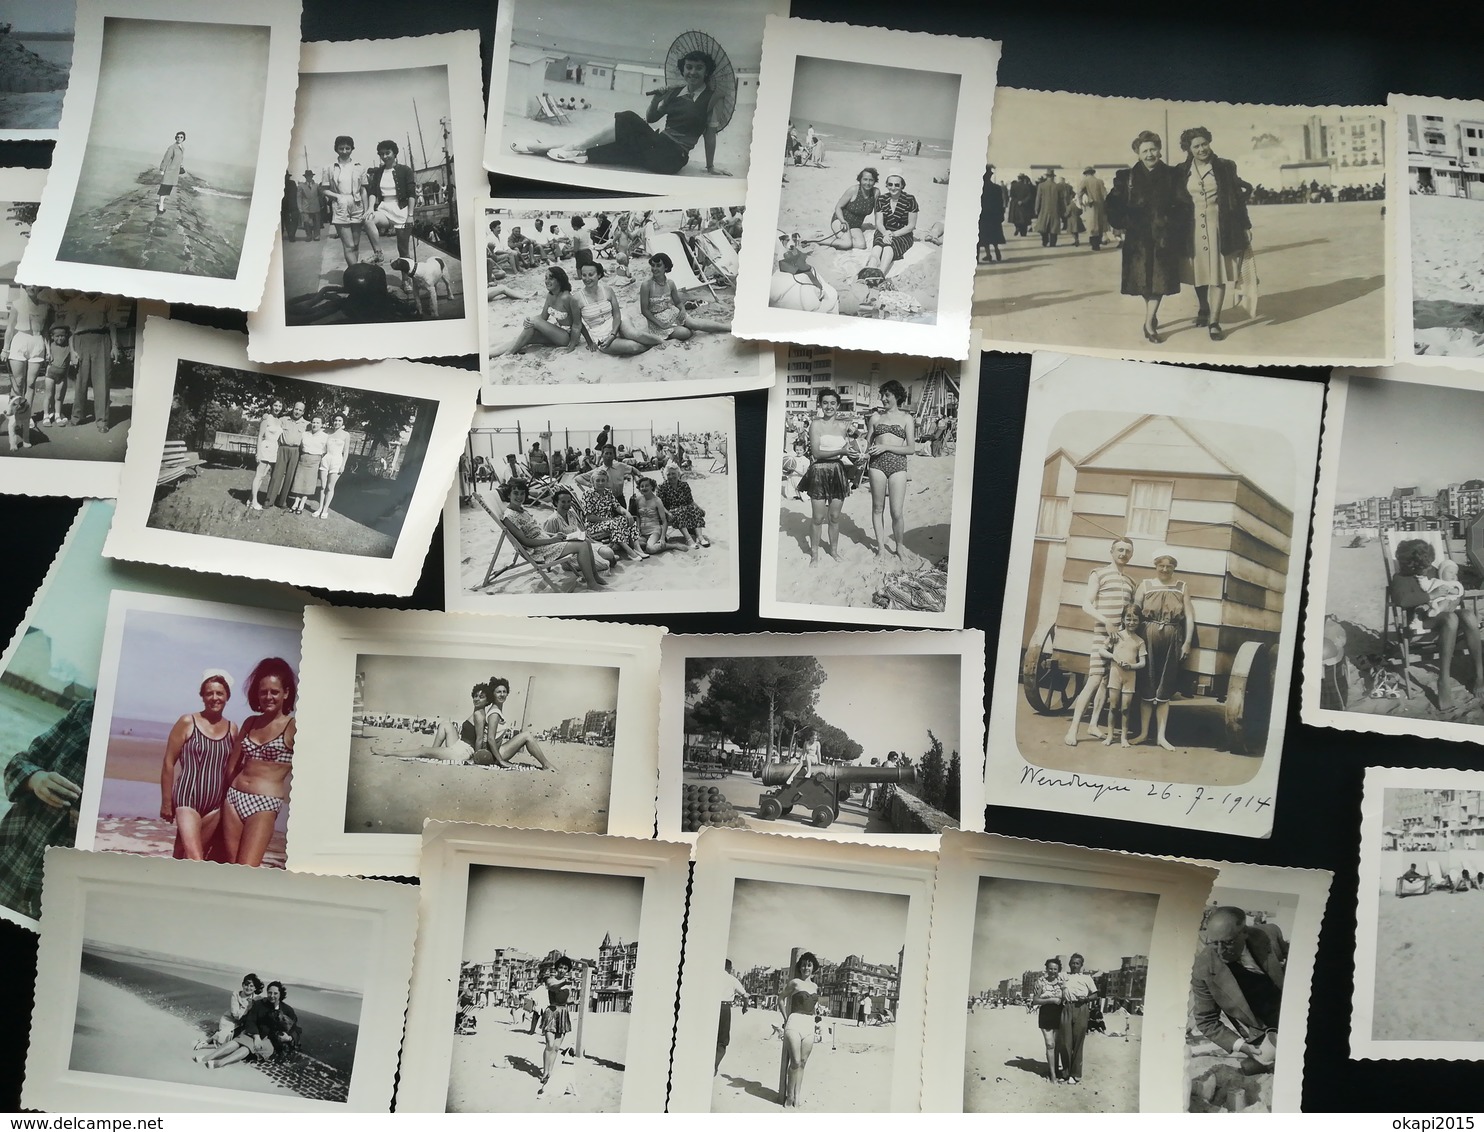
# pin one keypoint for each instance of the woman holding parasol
(695, 106)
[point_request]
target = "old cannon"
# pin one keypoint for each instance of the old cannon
(820, 791)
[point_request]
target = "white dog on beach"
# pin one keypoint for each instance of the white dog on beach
(422, 278)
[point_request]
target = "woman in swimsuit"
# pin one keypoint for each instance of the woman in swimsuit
(826, 482)
(889, 444)
(607, 330)
(896, 219)
(558, 324)
(847, 226)
(337, 442)
(650, 513)
(556, 1018)
(1169, 632)
(662, 308)
(797, 1003)
(501, 740)
(193, 776)
(262, 760)
(269, 429)
(453, 742)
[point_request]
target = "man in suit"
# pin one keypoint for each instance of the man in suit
(1237, 987)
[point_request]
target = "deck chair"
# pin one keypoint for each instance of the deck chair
(1397, 628)
(1419, 887)
(1436, 879)
(715, 251)
(522, 557)
(549, 111)
(685, 277)
(1466, 868)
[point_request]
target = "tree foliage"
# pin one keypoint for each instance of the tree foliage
(23, 213)
(758, 700)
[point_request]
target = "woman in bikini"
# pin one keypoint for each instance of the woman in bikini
(847, 225)
(556, 1017)
(453, 742)
(607, 330)
(825, 482)
(896, 220)
(501, 740)
(890, 442)
(558, 324)
(262, 760)
(797, 1003)
(662, 307)
(193, 776)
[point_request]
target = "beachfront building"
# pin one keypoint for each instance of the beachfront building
(1009, 992)
(1127, 982)
(1405, 509)
(613, 977)
(1445, 155)
(1442, 819)
(637, 78)
(1462, 500)
(600, 724)
(764, 985)
(843, 985)
(494, 981)
(1053, 524)
(1352, 145)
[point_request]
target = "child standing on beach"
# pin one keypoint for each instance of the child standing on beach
(1127, 653)
(59, 357)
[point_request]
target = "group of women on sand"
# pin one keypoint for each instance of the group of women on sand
(483, 738)
(299, 460)
(834, 445)
(221, 779)
(258, 1024)
(1142, 634)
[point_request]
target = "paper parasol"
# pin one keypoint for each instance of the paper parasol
(723, 79)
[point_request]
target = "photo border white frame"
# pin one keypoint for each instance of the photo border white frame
(448, 850)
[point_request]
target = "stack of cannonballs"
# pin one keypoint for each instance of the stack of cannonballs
(704, 805)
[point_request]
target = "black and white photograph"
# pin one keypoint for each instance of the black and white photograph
(163, 182)
(1419, 838)
(856, 139)
(1185, 231)
(769, 732)
(594, 300)
(1259, 933)
(368, 261)
(546, 972)
(192, 745)
(806, 963)
(538, 724)
(1391, 643)
(870, 519)
(1439, 146)
(1059, 978)
(322, 474)
(194, 988)
(642, 98)
(1156, 526)
(36, 44)
(589, 509)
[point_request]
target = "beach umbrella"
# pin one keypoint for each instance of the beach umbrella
(723, 79)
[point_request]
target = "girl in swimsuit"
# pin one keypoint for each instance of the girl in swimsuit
(826, 482)
(453, 742)
(502, 741)
(661, 305)
(847, 226)
(556, 1018)
(261, 762)
(797, 1003)
(194, 774)
(607, 330)
(556, 325)
(890, 442)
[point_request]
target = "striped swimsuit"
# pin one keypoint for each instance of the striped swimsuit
(201, 771)
(1111, 591)
(275, 750)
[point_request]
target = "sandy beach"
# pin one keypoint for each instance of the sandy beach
(857, 574)
(1005, 1066)
(850, 1071)
(1447, 283)
(807, 201)
(673, 569)
(498, 1069)
(394, 795)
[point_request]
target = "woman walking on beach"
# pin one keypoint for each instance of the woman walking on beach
(558, 324)
(685, 513)
(1169, 629)
(546, 547)
(270, 428)
(664, 310)
(607, 330)
(847, 224)
(1149, 204)
(193, 776)
(332, 465)
(896, 220)
(991, 218)
(556, 1018)
(261, 763)
(1221, 231)
(1046, 996)
(825, 482)
(172, 165)
(889, 443)
(797, 1003)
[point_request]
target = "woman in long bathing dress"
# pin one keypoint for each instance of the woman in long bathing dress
(269, 429)
(685, 513)
(602, 318)
(332, 466)
(825, 482)
(1169, 629)
(502, 740)
(1046, 997)
(262, 760)
(662, 307)
(312, 451)
(1222, 231)
(558, 324)
(797, 1003)
(546, 547)
(556, 1018)
(605, 518)
(852, 210)
(889, 442)
(193, 777)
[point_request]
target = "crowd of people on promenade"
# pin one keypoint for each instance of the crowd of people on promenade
(258, 1025)
(299, 460)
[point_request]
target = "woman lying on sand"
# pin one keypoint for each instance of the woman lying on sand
(855, 206)
(269, 1028)
(453, 742)
(662, 307)
(558, 324)
(602, 318)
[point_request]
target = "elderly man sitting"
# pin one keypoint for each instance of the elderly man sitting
(1237, 988)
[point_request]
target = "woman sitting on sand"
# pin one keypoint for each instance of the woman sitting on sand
(193, 777)
(896, 220)
(890, 443)
(544, 547)
(261, 762)
(685, 515)
(269, 1028)
(237, 1007)
(662, 307)
(556, 1018)
(1411, 588)
(796, 1004)
(825, 482)
(602, 318)
(649, 511)
(558, 324)
(605, 518)
(502, 740)
(847, 226)
(566, 522)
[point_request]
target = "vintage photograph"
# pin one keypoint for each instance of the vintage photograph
(49, 676)
(36, 44)
(1158, 552)
(1418, 853)
(633, 99)
(162, 185)
(592, 301)
(1440, 152)
(767, 732)
(624, 508)
(1241, 232)
(806, 963)
(870, 521)
(869, 245)
(1259, 932)
(546, 972)
(325, 474)
(1392, 641)
(182, 767)
(496, 720)
(379, 130)
(197, 988)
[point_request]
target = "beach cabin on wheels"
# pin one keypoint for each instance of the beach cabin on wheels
(526, 79)
(1160, 485)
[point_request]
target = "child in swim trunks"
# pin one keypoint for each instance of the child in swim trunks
(1126, 652)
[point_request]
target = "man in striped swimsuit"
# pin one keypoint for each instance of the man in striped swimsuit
(1109, 589)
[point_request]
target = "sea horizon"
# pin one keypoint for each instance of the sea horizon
(230, 977)
(834, 131)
